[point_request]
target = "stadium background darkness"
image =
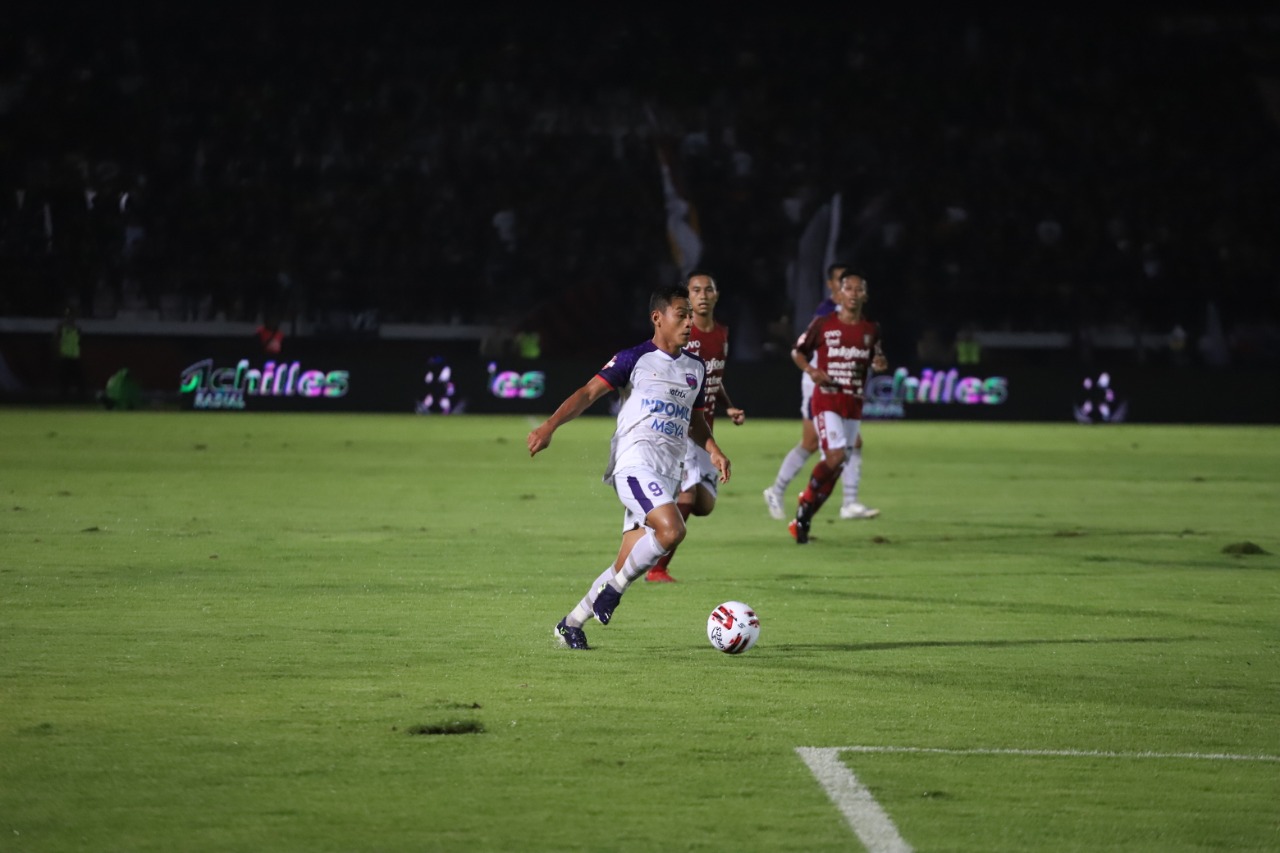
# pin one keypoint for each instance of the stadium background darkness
(1079, 173)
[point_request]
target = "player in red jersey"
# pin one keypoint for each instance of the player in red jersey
(797, 457)
(846, 345)
(709, 341)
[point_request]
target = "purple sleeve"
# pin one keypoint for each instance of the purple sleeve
(825, 307)
(618, 371)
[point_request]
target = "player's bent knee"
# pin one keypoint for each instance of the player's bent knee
(669, 538)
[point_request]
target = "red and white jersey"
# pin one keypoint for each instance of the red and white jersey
(713, 348)
(844, 352)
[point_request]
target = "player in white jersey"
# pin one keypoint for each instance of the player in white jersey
(709, 340)
(663, 398)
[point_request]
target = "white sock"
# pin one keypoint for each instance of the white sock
(580, 614)
(643, 557)
(851, 475)
(792, 464)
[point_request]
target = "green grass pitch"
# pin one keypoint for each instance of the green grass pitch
(230, 632)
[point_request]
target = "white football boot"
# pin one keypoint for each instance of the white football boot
(857, 510)
(773, 500)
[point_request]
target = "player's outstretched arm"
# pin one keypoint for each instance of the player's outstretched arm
(736, 415)
(719, 460)
(700, 434)
(575, 404)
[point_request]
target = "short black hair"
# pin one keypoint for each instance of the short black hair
(664, 296)
(850, 272)
(838, 265)
(700, 274)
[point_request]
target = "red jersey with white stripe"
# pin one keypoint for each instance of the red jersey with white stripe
(844, 352)
(713, 348)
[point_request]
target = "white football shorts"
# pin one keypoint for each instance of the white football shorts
(806, 396)
(640, 491)
(836, 432)
(698, 471)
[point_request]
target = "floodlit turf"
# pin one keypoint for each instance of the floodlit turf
(231, 632)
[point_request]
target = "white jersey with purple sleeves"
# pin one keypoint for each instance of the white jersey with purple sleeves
(659, 395)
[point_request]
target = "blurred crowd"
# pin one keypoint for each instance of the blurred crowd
(344, 169)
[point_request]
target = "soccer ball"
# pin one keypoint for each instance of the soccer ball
(733, 627)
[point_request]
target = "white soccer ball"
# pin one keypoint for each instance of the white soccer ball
(733, 627)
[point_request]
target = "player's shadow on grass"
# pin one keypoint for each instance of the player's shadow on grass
(976, 644)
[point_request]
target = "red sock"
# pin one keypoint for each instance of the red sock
(821, 482)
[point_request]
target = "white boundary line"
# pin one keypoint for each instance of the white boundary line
(1068, 753)
(868, 821)
(873, 826)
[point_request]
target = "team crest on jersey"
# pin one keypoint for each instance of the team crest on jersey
(691, 379)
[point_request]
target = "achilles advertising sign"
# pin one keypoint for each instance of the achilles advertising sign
(236, 387)
(888, 395)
